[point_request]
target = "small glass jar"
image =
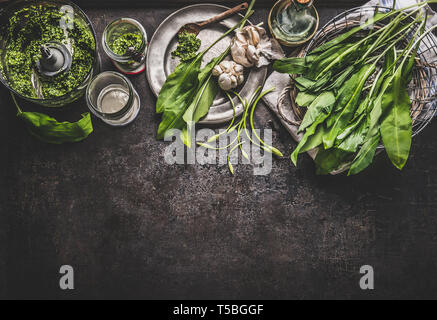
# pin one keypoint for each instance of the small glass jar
(125, 42)
(112, 98)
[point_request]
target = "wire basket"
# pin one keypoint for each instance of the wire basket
(423, 87)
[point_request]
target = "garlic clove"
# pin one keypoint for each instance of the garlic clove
(262, 33)
(234, 82)
(240, 79)
(238, 52)
(252, 54)
(225, 82)
(240, 37)
(217, 71)
(253, 36)
(238, 68)
(226, 66)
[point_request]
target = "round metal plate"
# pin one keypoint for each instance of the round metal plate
(160, 64)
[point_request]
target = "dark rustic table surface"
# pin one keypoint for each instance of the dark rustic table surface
(134, 227)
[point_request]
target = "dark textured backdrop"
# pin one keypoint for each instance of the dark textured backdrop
(134, 227)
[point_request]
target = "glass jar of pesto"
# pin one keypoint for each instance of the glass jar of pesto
(125, 42)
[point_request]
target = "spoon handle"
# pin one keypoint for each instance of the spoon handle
(225, 14)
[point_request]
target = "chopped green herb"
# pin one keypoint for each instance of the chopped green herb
(188, 46)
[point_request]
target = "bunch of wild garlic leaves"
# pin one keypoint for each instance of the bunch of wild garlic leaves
(354, 88)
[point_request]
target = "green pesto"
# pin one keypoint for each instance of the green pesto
(188, 46)
(27, 30)
(126, 41)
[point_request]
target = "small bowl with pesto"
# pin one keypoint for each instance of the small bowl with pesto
(125, 42)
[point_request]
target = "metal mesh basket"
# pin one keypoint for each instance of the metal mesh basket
(422, 89)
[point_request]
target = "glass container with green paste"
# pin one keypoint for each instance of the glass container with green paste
(47, 51)
(125, 43)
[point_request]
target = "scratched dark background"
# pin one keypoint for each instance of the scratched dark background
(134, 227)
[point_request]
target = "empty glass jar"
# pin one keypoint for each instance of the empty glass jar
(112, 98)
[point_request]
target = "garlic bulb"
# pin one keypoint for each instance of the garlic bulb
(230, 74)
(253, 47)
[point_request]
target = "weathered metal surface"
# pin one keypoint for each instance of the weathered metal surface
(135, 227)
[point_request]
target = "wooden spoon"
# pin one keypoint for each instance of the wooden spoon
(195, 28)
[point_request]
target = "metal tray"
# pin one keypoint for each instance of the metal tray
(160, 64)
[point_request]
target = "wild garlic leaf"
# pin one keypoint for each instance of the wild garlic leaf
(182, 82)
(351, 128)
(328, 161)
(172, 116)
(315, 140)
(321, 106)
(365, 155)
(355, 139)
(211, 89)
(311, 85)
(316, 115)
(326, 59)
(340, 79)
(348, 110)
(305, 83)
(352, 32)
(362, 109)
(291, 65)
(304, 99)
(200, 107)
(206, 92)
(308, 133)
(396, 128)
(49, 130)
